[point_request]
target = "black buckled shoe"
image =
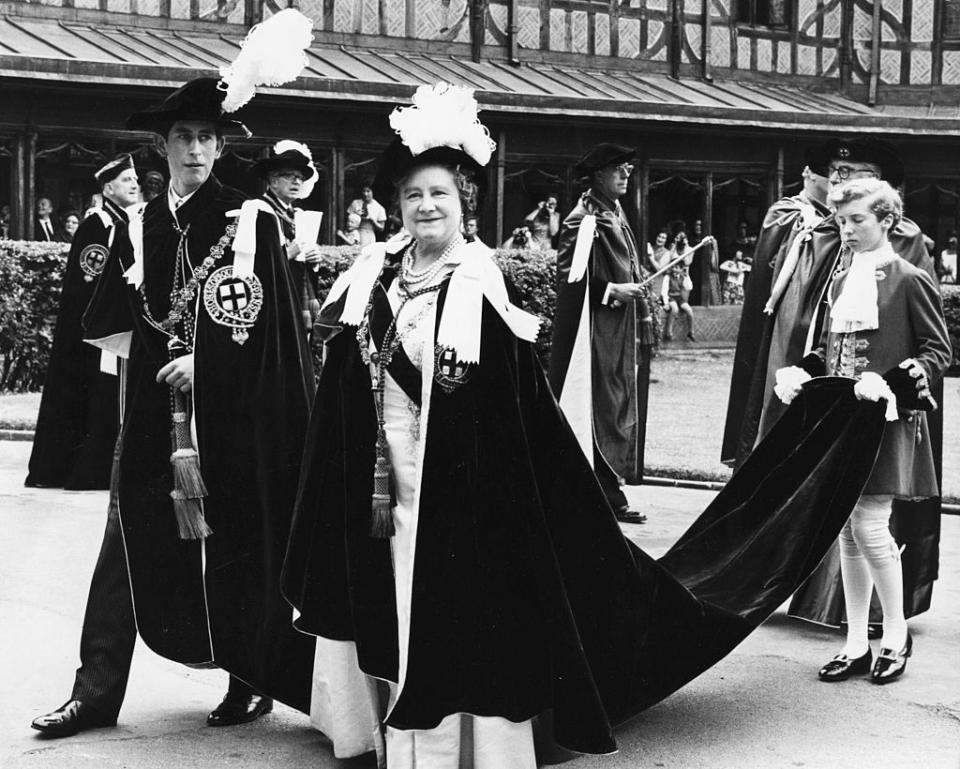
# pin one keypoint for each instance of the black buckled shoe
(239, 709)
(841, 667)
(71, 717)
(890, 664)
(626, 515)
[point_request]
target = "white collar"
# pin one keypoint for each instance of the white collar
(855, 309)
(174, 200)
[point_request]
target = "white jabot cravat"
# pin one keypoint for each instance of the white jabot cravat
(855, 309)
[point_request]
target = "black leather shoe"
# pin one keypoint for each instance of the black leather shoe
(890, 664)
(841, 667)
(70, 718)
(626, 515)
(239, 709)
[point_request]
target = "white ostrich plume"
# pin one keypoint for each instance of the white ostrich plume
(285, 145)
(271, 54)
(443, 115)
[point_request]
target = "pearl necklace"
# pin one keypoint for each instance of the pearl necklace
(410, 278)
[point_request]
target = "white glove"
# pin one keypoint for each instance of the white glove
(873, 387)
(789, 381)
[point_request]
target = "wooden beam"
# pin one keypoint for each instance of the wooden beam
(706, 42)
(409, 16)
(22, 224)
(545, 25)
(936, 46)
(708, 204)
(643, 206)
(29, 182)
(500, 169)
(777, 191)
(336, 202)
(876, 40)
(614, 12)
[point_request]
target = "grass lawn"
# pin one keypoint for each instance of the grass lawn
(688, 405)
(19, 411)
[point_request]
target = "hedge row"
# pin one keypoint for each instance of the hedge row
(31, 275)
(30, 278)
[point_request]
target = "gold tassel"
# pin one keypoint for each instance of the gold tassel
(188, 486)
(191, 523)
(381, 514)
(186, 473)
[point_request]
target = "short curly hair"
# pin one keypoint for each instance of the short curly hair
(463, 178)
(883, 199)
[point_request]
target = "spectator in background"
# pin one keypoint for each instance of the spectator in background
(351, 235)
(948, 261)
(676, 289)
(706, 271)
(69, 223)
(471, 226)
(373, 217)
(521, 238)
(658, 256)
(540, 235)
(733, 271)
(44, 229)
(743, 247)
(153, 184)
(5, 218)
(546, 213)
(94, 204)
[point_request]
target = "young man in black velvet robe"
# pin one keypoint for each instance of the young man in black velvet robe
(200, 300)
(79, 412)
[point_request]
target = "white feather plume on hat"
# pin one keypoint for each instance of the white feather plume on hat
(443, 115)
(286, 145)
(271, 54)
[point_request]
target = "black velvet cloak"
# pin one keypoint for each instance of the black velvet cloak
(526, 596)
(216, 600)
(608, 338)
(748, 379)
(80, 408)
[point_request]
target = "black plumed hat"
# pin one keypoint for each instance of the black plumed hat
(200, 99)
(288, 159)
(397, 162)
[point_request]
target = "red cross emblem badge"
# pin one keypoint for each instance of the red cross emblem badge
(449, 372)
(233, 302)
(93, 259)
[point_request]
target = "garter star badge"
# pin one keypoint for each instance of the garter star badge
(93, 259)
(233, 302)
(449, 372)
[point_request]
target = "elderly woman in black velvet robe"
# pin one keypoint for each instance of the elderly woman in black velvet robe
(452, 548)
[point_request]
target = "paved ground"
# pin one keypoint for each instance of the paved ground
(760, 708)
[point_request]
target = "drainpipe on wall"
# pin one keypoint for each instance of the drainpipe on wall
(876, 33)
(705, 49)
(513, 47)
(676, 37)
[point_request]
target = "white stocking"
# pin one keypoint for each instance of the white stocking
(869, 530)
(857, 590)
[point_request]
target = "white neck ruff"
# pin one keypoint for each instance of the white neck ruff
(856, 307)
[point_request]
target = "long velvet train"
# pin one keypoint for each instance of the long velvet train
(527, 597)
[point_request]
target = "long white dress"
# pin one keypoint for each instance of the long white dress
(460, 740)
